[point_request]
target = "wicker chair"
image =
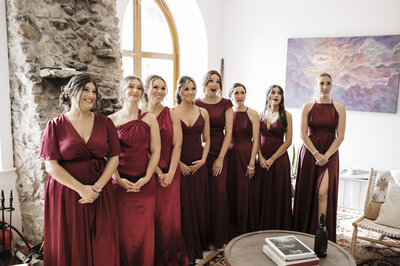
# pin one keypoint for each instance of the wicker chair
(370, 225)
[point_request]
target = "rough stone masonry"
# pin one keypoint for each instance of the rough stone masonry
(48, 42)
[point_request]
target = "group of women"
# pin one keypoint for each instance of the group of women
(183, 177)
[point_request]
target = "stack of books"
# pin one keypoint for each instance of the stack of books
(289, 250)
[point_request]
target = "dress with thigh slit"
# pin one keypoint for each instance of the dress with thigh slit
(74, 233)
(194, 192)
(219, 231)
(135, 209)
(322, 124)
(169, 246)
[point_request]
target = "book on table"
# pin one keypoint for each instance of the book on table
(281, 262)
(289, 247)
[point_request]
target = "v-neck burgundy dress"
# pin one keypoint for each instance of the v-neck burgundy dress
(169, 247)
(238, 187)
(194, 192)
(135, 209)
(219, 232)
(322, 124)
(75, 233)
(275, 196)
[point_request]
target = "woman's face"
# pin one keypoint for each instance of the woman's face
(239, 95)
(157, 91)
(86, 96)
(324, 86)
(189, 92)
(275, 97)
(213, 85)
(133, 92)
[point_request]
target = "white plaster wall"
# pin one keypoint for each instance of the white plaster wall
(254, 45)
(7, 170)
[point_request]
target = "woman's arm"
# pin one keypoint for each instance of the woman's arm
(155, 150)
(111, 166)
(219, 162)
(285, 145)
(340, 131)
(255, 124)
(206, 139)
(88, 193)
(176, 148)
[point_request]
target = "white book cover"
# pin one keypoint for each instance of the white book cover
(289, 247)
(280, 262)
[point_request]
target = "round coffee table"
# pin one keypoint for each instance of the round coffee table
(246, 249)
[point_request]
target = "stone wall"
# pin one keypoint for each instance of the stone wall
(49, 41)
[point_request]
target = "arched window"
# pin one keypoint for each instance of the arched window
(153, 47)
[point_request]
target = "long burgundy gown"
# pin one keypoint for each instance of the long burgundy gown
(194, 192)
(322, 122)
(135, 209)
(238, 187)
(219, 229)
(169, 247)
(75, 233)
(276, 195)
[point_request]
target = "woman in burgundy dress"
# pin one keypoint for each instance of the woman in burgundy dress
(194, 180)
(135, 183)
(221, 120)
(80, 225)
(323, 123)
(274, 166)
(241, 161)
(169, 246)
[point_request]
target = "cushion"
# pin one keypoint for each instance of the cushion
(381, 184)
(390, 211)
(372, 210)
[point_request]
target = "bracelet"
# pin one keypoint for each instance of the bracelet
(97, 185)
(251, 168)
(315, 152)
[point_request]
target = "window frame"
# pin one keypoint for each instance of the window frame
(137, 54)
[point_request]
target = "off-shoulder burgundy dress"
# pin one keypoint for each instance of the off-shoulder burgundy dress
(238, 184)
(219, 231)
(169, 246)
(322, 124)
(135, 209)
(194, 192)
(75, 233)
(276, 195)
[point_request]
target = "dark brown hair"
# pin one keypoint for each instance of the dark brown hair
(282, 111)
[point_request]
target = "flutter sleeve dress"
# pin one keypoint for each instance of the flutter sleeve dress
(135, 209)
(322, 124)
(75, 233)
(169, 247)
(219, 232)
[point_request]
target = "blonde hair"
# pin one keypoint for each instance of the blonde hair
(125, 82)
(148, 85)
(315, 96)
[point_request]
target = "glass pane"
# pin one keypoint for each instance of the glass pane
(127, 65)
(163, 68)
(127, 28)
(156, 36)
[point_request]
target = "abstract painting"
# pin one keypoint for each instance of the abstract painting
(365, 71)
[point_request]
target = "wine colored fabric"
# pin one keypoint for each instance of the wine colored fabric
(275, 195)
(322, 122)
(238, 184)
(219, 232)
(135, 209)
(75, 233)
(169, 245)
(194, 192)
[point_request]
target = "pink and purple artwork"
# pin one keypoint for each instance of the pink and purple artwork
(365, 71)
